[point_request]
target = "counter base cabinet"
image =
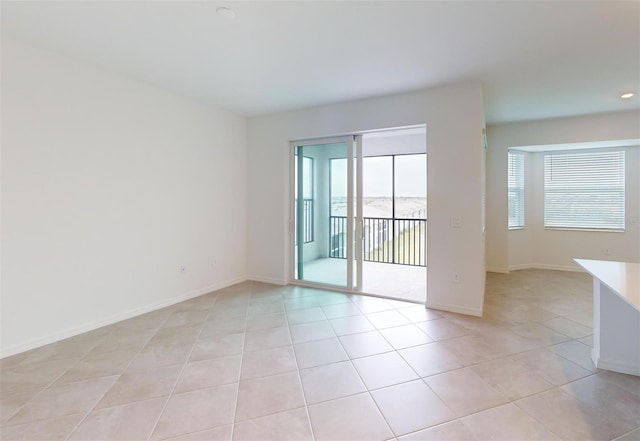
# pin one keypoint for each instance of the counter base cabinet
(616, 332)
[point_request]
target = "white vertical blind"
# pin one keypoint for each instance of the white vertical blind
(515, 171)
(584, 190)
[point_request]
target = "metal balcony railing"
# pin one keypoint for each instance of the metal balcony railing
(308, 221)
(387, 240)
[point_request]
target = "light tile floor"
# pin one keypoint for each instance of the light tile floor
(262, 362)
(377, 278)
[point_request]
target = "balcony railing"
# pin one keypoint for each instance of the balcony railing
(308, 224)
(401, 240)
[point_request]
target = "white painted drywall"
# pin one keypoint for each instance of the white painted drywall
(108, 185)
(402, 144)
(454, 118)
(534, 246)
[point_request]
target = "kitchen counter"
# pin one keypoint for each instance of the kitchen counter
(616, 314)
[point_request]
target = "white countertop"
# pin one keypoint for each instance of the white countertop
(623, 278)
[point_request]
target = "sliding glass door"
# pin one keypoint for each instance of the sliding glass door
(323, 211)
(358, 213)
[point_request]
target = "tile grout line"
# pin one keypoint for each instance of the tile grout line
(118, 377)
(394, 350)
(295, 357)
(348, 358)
(368, 392)
(628, 433)
(242, 352)
(184, 365)
(509, 400)
(75, 381)
(473, 332)
(533, 416)
(352, 366)
(2, 426)
(281, 373)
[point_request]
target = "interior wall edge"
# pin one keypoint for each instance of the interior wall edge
(271, 280)
(495, 269)
(477, 312)
(544, 266)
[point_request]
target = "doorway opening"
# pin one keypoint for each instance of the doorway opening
(360, 213)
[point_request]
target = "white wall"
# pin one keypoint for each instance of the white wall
(377, 144)
(535, 246)
(454, 118)
(108, 185)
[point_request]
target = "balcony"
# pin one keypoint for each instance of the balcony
(406, 282)
(394, 256)
(399, 241)
(394, 224)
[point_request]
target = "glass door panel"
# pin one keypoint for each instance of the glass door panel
(410, 206)
(393, 216)
(321, 213)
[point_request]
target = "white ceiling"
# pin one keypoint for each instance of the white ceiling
(536, 59)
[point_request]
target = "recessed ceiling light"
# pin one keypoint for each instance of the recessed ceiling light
(627, 95)
(226, 13)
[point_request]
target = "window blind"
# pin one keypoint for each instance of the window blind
(584, 190)
(515, 172)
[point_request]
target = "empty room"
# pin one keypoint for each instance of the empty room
(320, 220)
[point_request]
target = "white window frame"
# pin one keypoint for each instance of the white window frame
(516, 186)
(309, 234)
(571, 178)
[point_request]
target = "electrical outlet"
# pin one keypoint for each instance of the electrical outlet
(182, 269)
(456, 278)
(455, 222)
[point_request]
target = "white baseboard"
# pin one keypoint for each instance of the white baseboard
(495, 269)
(612, 365)
(454, 308)
(520, 267)
(115, 318)
(270, 280)
(545, 267)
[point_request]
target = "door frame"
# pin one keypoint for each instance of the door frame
(355, 224)
(350, 141)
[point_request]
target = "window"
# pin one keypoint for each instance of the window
(308, 200)
(307, 190)
(584, 190)
(338, 208)
(515, 171)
